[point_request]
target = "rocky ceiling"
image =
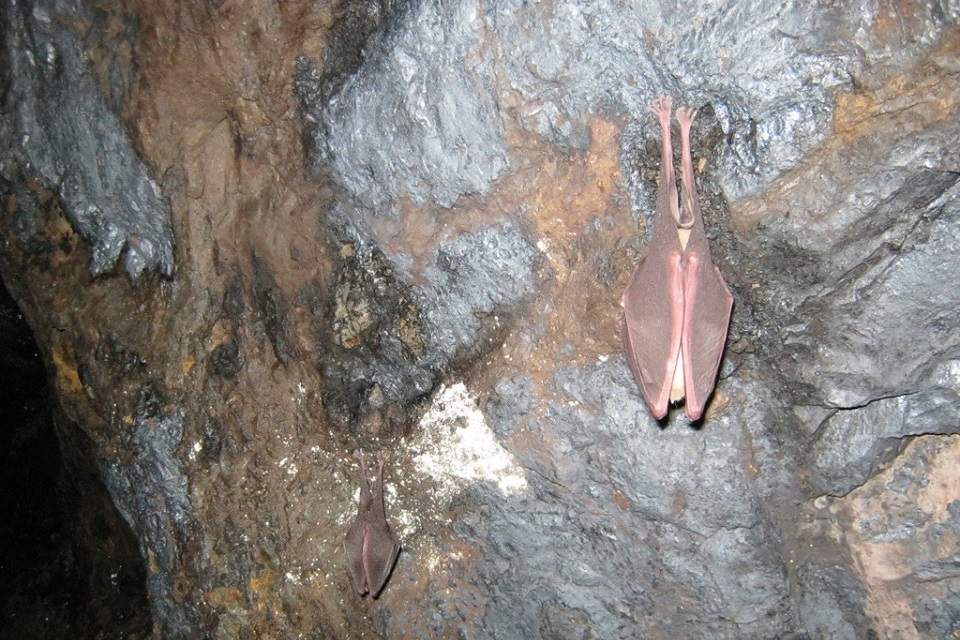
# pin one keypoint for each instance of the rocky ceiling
(251, 238)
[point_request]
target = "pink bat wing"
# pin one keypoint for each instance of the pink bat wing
(706, 317)
(652, 324)
(653, 300)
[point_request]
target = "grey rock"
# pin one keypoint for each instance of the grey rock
(882, 329)
(831, 602)
(56, 126)
(151, 492)
(940, 617)
(898, 523)
(769, 89)
(471, 277)
(558, 622)
(853, 445)
(685, 549)
(418, 118)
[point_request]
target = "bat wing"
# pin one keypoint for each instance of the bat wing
(652, 325)
(355, 542)
(380, 546)
(380, 553)
(353, 546)
(706, 317)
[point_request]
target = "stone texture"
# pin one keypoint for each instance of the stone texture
(853, 444)
(58, 128)
(404, 227)
(151, 493)
(900, 529)
(422, 85)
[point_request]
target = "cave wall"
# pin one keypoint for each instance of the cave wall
(252, 238)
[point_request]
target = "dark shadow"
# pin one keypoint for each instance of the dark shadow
(69, 564)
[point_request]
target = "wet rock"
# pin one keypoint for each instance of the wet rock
(414, 119)
(58, 129)
(427, 264)
(151, 492)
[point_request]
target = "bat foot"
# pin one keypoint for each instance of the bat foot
(685, 116)
(358, 455)
(662, 106)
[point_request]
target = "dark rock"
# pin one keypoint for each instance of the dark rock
(225, 360)
(58, 128)
(439, 285)
(272, 309)
(233, 303)
(151, 491)
(372, 349)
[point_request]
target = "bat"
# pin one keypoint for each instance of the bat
(676, 307)
(370, 545)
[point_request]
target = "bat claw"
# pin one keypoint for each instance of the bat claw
(685, 116)
(662, 106)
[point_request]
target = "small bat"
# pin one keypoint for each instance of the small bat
(676, 307)
(370, 544)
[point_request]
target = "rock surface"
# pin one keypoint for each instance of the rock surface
(405, 227)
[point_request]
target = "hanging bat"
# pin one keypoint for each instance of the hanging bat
(676, 307)
(370, 544)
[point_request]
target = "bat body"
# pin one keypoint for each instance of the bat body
(676, 307)
(370, 544)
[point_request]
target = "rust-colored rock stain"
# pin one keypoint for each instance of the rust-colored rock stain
(900, 533)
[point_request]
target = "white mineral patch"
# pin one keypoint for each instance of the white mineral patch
(948, 374)
(457, 448)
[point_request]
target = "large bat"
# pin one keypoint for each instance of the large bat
(676, 308)
(370, 544)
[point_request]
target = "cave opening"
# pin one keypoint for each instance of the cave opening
(69, 564)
